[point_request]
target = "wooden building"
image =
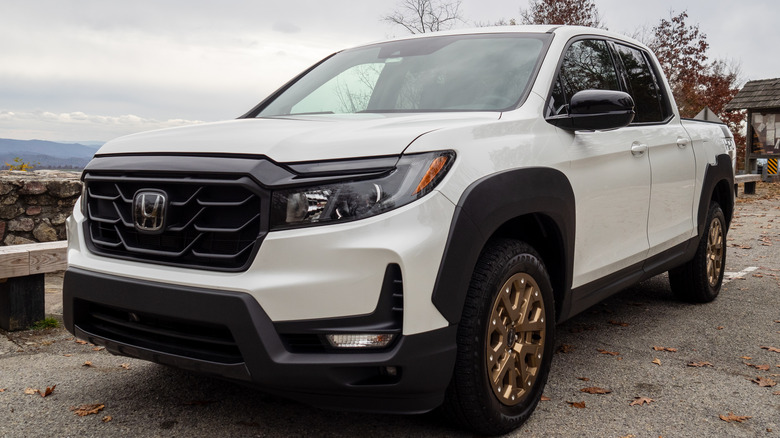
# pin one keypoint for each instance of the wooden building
(761, 99)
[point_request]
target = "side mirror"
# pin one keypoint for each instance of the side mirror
(591, 110)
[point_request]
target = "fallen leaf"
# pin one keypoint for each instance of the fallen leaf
(79, 341)
(584, 379)
(107, 418)
(639, 401)
(578, 405)
(30, 391)
(758, 367)
(565, 348)
(764, 382)
(746, 357)
(774, 349)
(671, 350)
(98, 348)
(731, 417)
(699, 364)
(595, 390)
(622, 324)
(125, 366)
(2, 389)
(720, 327)
(611, 353)
(85, 410)
(657, 361)
(47, 392)
(628, 436)
(87, 364)
(776, 393)
(67, 355)
(545, 398)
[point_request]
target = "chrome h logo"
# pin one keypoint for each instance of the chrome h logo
(149, 210)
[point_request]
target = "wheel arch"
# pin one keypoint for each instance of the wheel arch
(718, 186)
(535, 205)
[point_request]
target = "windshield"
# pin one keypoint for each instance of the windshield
(487, 72)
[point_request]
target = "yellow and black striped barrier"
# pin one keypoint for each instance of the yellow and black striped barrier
(771, 166)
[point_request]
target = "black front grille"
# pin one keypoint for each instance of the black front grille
(193, 339)
(211, 223)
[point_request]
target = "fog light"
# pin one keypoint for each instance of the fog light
(373, 340)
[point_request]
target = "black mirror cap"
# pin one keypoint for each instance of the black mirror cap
(596, 110)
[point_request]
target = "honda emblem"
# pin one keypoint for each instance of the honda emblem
(149, 210)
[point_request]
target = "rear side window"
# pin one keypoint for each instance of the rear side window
(644, 85)
(587, 65)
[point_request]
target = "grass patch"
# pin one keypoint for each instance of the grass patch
(45, 324)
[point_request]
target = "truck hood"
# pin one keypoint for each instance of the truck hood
(292, 139)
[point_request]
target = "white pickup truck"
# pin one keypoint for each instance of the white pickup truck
(400, 227)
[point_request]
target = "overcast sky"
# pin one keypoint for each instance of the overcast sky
(92, 70)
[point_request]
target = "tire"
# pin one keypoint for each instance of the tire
(505, 341)
(700, 279)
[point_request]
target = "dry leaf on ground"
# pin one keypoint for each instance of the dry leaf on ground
(700, 364)
(731, 417)
(87, 364)
(565, 348)
(671, 350)
(79, 341)
(758, 367)
(746, 357)
(30, 391)
(584, 379)
(596, 390)
(774, 349)
(639, 401)
(84, 410)
(2, 389)
(545, 398)
(620, 323)
(107, 418)
(764, 382)
(48, 391)
(611, 353)
(125, 366)
(578, 405)
(98, 348)
(657, 361)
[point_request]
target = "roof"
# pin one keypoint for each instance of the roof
(757, 94)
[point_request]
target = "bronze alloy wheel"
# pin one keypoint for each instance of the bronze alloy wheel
(714, 252)
(515, 339)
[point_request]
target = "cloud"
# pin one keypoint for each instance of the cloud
(77, 126)
(286, 27)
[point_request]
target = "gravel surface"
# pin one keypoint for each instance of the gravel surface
(144, 399)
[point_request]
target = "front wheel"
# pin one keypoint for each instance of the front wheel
(505, 341)
(700, 279)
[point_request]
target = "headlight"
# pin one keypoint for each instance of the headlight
(413, 177)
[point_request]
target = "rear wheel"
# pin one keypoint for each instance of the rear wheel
(700, 279)
(505, 341)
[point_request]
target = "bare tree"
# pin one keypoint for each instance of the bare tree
(574, 12)
(421, 16)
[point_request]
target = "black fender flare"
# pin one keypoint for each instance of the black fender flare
(713, 176)
(484, 207)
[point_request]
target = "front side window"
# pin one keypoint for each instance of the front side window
(644, 86)
(490, 72)
(587, 65)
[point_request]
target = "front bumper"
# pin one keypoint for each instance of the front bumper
(228, 334)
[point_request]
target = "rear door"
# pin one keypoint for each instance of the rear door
(672, 163)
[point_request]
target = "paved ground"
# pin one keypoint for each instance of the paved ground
(144, 399)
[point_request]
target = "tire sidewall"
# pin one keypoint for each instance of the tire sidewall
(527, 261)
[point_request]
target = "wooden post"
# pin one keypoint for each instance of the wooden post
(22, 301)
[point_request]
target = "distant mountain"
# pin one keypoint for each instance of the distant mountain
(46, 154)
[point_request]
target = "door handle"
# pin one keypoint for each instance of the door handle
(638, 149)
(682, 142)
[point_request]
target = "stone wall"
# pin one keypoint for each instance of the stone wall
(34, 205)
